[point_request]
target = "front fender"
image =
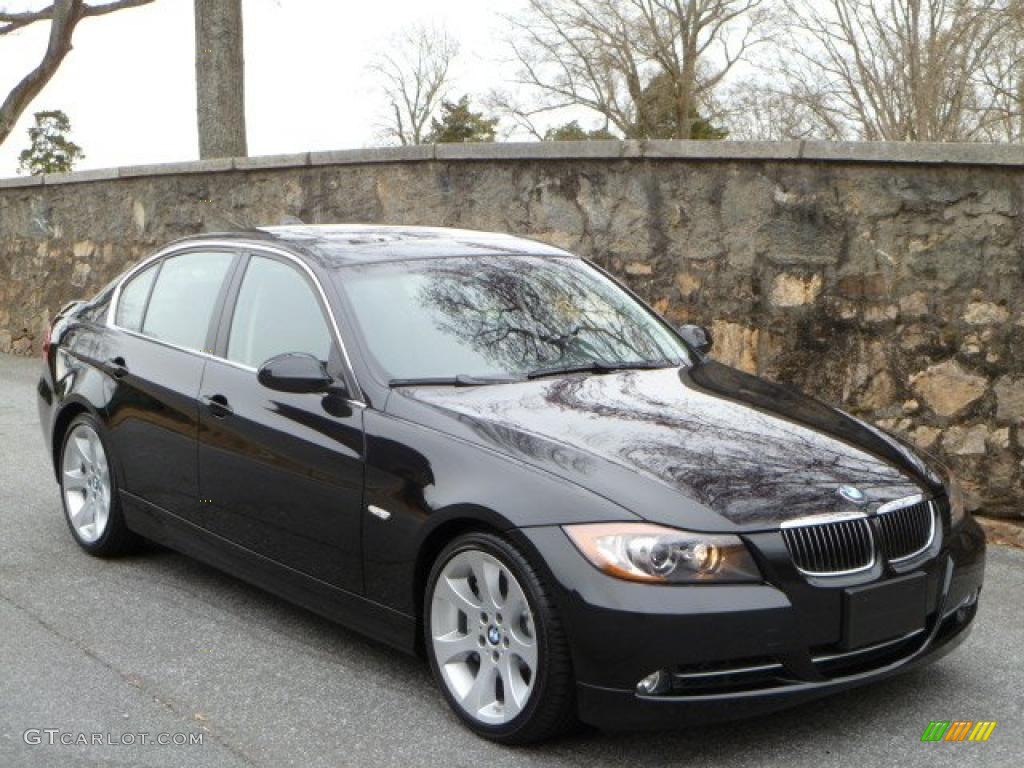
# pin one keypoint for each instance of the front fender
(426, 481)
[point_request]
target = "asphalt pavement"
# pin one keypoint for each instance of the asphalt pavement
(160, 644)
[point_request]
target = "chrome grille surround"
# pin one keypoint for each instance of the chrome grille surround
(830, 545)
(906, 527)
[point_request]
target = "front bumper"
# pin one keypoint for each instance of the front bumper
(737, 650)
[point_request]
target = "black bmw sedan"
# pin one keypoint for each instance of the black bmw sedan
(486, 450)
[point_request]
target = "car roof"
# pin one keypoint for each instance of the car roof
(337, 245)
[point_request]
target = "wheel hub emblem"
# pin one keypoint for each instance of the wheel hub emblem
(493, 636)
(855, 495)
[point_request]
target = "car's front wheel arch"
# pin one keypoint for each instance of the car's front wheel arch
(439, 537)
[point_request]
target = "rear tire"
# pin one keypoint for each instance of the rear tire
(88, 485)
(495, 642)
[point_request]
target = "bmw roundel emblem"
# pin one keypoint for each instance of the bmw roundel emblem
(848, 492)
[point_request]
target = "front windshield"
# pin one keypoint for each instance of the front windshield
(499, 317)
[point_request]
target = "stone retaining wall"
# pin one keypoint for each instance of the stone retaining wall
(887, 278)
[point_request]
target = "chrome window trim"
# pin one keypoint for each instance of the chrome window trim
(179, 348)
(238, 247)
(834, 517)
(909, 501)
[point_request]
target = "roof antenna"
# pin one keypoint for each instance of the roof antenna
(291, 221)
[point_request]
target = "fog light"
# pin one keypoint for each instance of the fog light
(655, 683)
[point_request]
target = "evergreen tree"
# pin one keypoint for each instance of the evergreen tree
(572, 131)
(50, 150)
(657, 118)
(459, 123)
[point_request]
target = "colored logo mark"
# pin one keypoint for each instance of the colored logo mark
(958, 730)
(855, 495)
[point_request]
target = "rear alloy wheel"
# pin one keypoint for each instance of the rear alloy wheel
(91, 506)
(496, 647)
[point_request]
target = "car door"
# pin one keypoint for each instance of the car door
(281, 474)
(161, 323)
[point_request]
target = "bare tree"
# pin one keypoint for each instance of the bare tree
(757, 110)
(645, 66)
(415, 74)
(896, 70)
(1003, 79)
(63, 16)
(220, 79)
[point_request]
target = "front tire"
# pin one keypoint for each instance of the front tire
(495, 642)
(92, 507)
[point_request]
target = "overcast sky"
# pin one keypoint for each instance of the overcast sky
(129, 84)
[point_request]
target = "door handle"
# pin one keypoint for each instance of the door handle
(218, 405)
(116, 367)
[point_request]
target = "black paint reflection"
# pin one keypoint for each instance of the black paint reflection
(521, 443)
(398, 472)
(789, 403)
(754, 456)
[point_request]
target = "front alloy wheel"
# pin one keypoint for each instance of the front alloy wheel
(482, 633)
(495, 644)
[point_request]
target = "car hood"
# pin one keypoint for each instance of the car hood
(707, 446)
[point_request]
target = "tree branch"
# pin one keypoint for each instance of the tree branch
(15, 21)
(66, 15)
(414, 73)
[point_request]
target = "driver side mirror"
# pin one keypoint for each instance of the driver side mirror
(698, 337)
(296, 372)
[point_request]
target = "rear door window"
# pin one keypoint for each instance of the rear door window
(184, 298)
(132, 302)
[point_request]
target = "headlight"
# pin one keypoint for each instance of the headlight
(957, 502)
(653, 553)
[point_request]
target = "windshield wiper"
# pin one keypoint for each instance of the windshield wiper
(599, 366)
(462, 380)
